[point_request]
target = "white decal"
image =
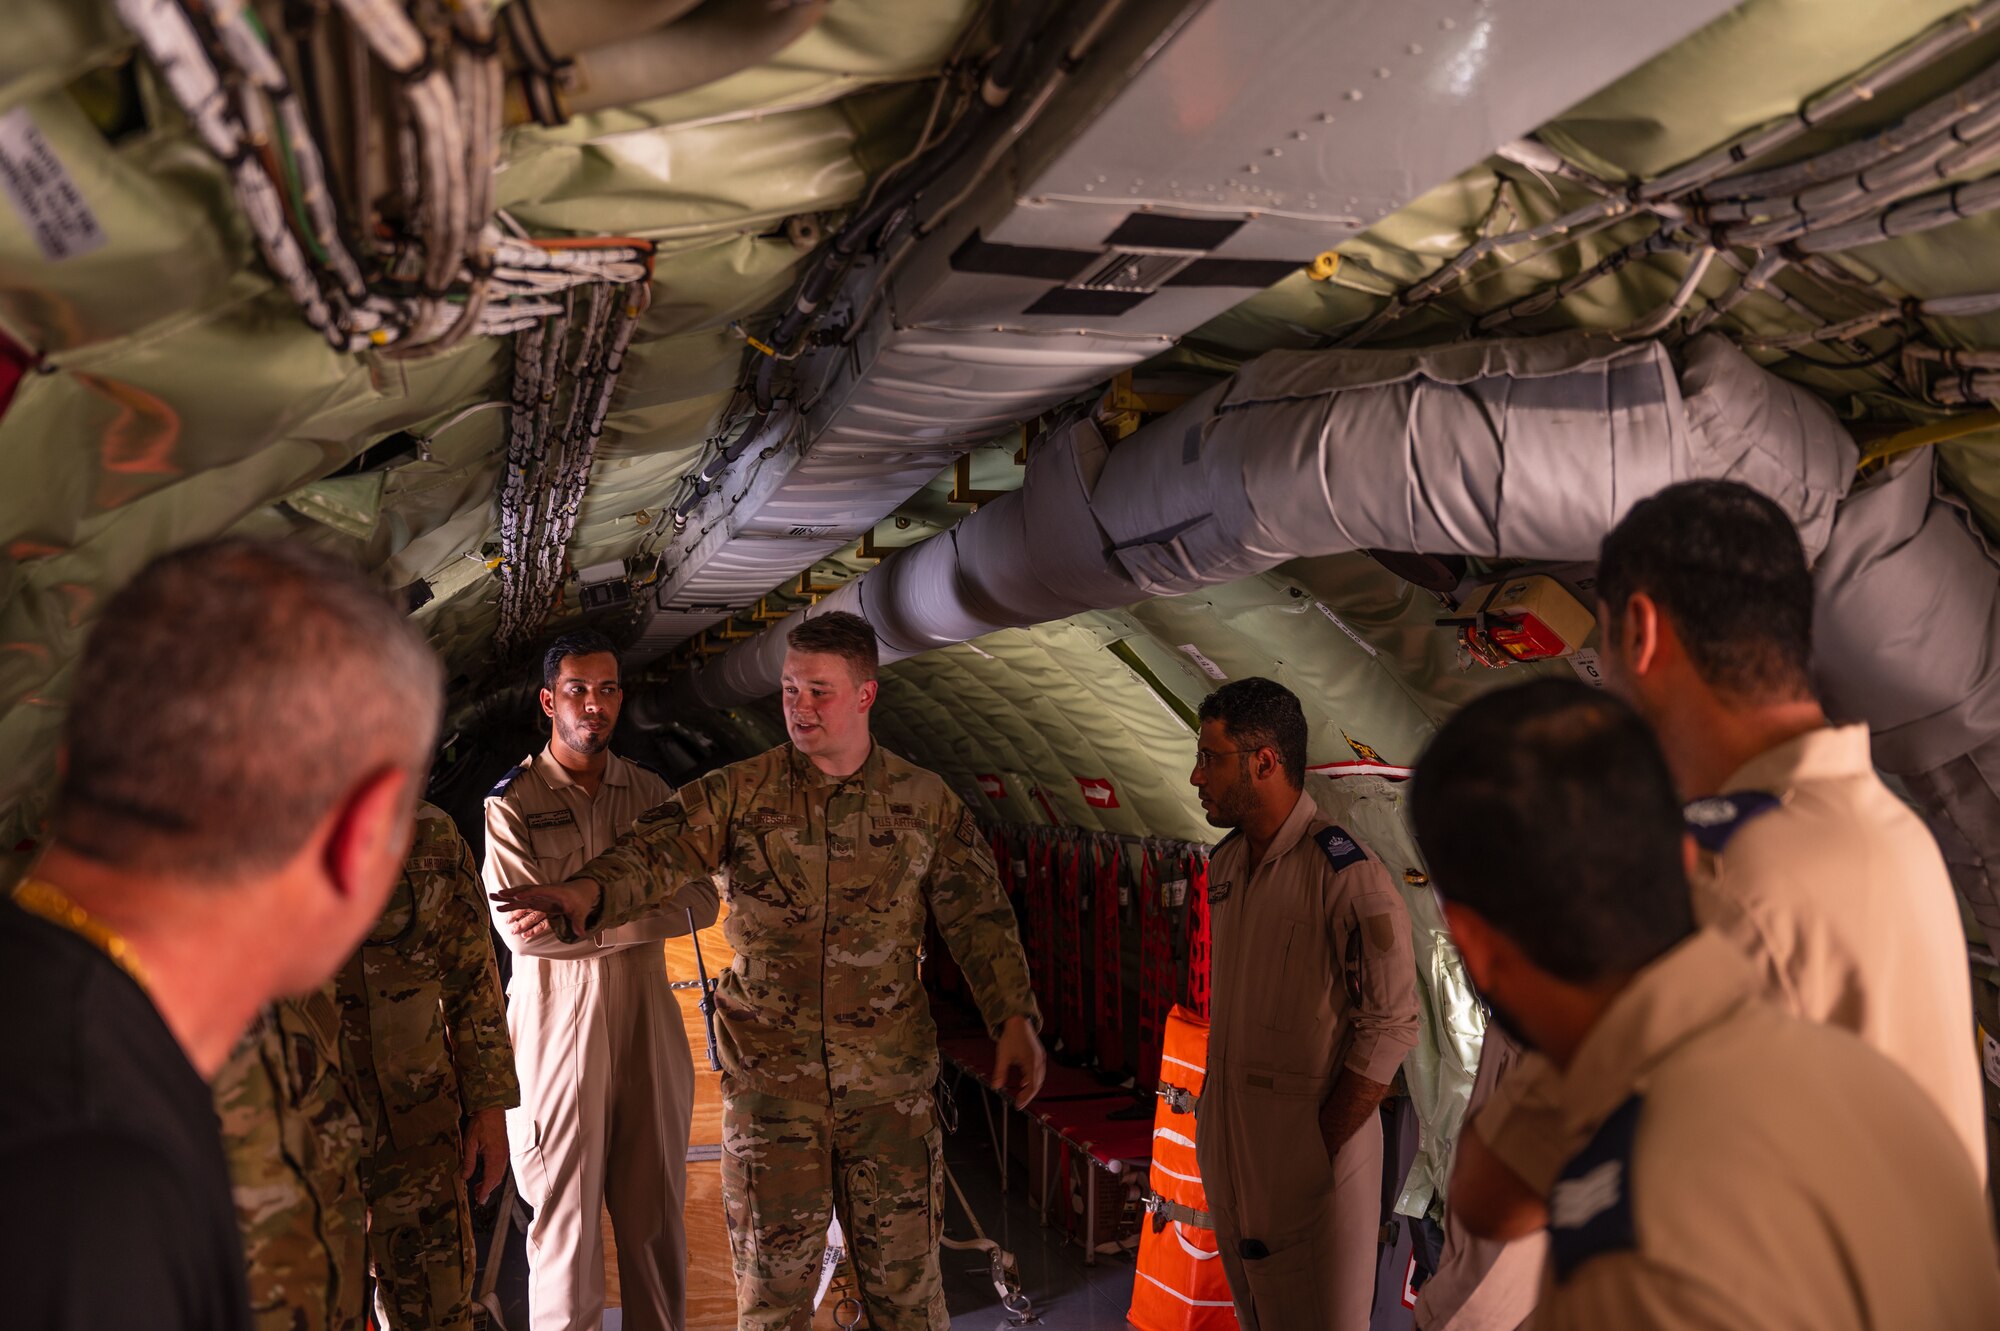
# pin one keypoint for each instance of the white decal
(1991, 1048)
(42, 192)
(1208, 667)
(1341, 624)
(1584, 662)
(1173, 893)
(1097, 792)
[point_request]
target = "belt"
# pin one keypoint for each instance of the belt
(807, 971)
(1164, 1211)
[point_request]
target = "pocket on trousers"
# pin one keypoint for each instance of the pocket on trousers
(1288, 1288)
(524, 1151)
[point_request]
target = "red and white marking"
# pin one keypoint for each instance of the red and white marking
(1389, 770)
(1097, 792)
(992, 787)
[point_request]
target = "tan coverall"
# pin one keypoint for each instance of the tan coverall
(1483, 1284)
(1741, 1167)
(1312, 974)
(1841, 899)
(607, 1083)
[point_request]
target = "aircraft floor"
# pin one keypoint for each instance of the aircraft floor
(1067, 1295)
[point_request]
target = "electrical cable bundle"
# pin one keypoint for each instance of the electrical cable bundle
(361, 139)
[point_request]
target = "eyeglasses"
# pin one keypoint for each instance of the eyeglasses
(1205, 758)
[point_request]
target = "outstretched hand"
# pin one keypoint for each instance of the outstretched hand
(530, 906)
(1019, 1062)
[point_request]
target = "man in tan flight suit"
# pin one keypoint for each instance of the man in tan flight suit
(1314, 1005)
(1734, 1165)
(1832, 887)
(607, 1084)
(835, 853)
(426, 1036)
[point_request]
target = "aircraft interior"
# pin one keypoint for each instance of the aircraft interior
(1097, 353)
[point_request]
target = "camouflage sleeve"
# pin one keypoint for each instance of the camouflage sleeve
(972, 913)
(510, 862)
(668, 861)
(475, 1012)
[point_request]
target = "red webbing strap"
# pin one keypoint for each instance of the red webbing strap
(1069, 913)
(1156, 972)
(1109, 980)
(1198, 937)
(1042, 930)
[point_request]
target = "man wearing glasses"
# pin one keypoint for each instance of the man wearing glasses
(1314, 1006)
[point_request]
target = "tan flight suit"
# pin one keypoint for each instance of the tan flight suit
(607, 1084)
(1483, 1284)
(1312, 975)
(1742, 1167)
(1838, 894)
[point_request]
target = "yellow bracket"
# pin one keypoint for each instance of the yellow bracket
(764, 614)
(811, 590)
(961, 486)
(706, 648)
(728, 632)
(868, 549)
(1125, 409)
(1922, 436)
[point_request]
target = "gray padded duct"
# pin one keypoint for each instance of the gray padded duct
(1526, 449)
(1905, 637)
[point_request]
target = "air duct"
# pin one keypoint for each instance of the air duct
(1526, 449)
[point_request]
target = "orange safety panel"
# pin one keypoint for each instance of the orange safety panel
(1180, 1286)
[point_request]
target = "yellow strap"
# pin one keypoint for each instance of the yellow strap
(53, 904)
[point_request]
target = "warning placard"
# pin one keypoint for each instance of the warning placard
(42, 192)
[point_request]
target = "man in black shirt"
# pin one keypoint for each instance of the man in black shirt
(248, 735)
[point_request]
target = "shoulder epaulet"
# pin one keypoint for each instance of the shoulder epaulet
(643, 765)
(1714, 821)
(1590, 1206)
(513, 775)
(1342, 851)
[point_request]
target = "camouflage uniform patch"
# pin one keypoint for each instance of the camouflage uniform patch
(828, 1050)
(426, 1032)
(289, 1126)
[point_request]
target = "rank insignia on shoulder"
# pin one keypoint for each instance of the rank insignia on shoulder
(553, 818)
(500, 787)
(1340, 848)
(1590, 1207)
(1715, 821)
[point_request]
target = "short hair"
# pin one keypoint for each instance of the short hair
(577, 642)
(839, 633)
(226, 698)
(1724, 564)
(1548, 809)
(1264, 714)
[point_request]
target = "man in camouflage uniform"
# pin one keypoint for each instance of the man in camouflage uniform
(286, 1102)
(832, 850)
(426, 1035)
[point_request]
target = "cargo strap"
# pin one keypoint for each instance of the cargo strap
(1179, 1099)
(1164, 1211)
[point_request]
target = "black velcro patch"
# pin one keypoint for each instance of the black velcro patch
(554, 818)
(1713, 822)
(1590, 1207)
(1341, 850)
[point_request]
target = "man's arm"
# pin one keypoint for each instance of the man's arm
(511, 862)
(1383, 1018)
(475, 1019)
(665, 864)
(1510, 1153)
(972, 914)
